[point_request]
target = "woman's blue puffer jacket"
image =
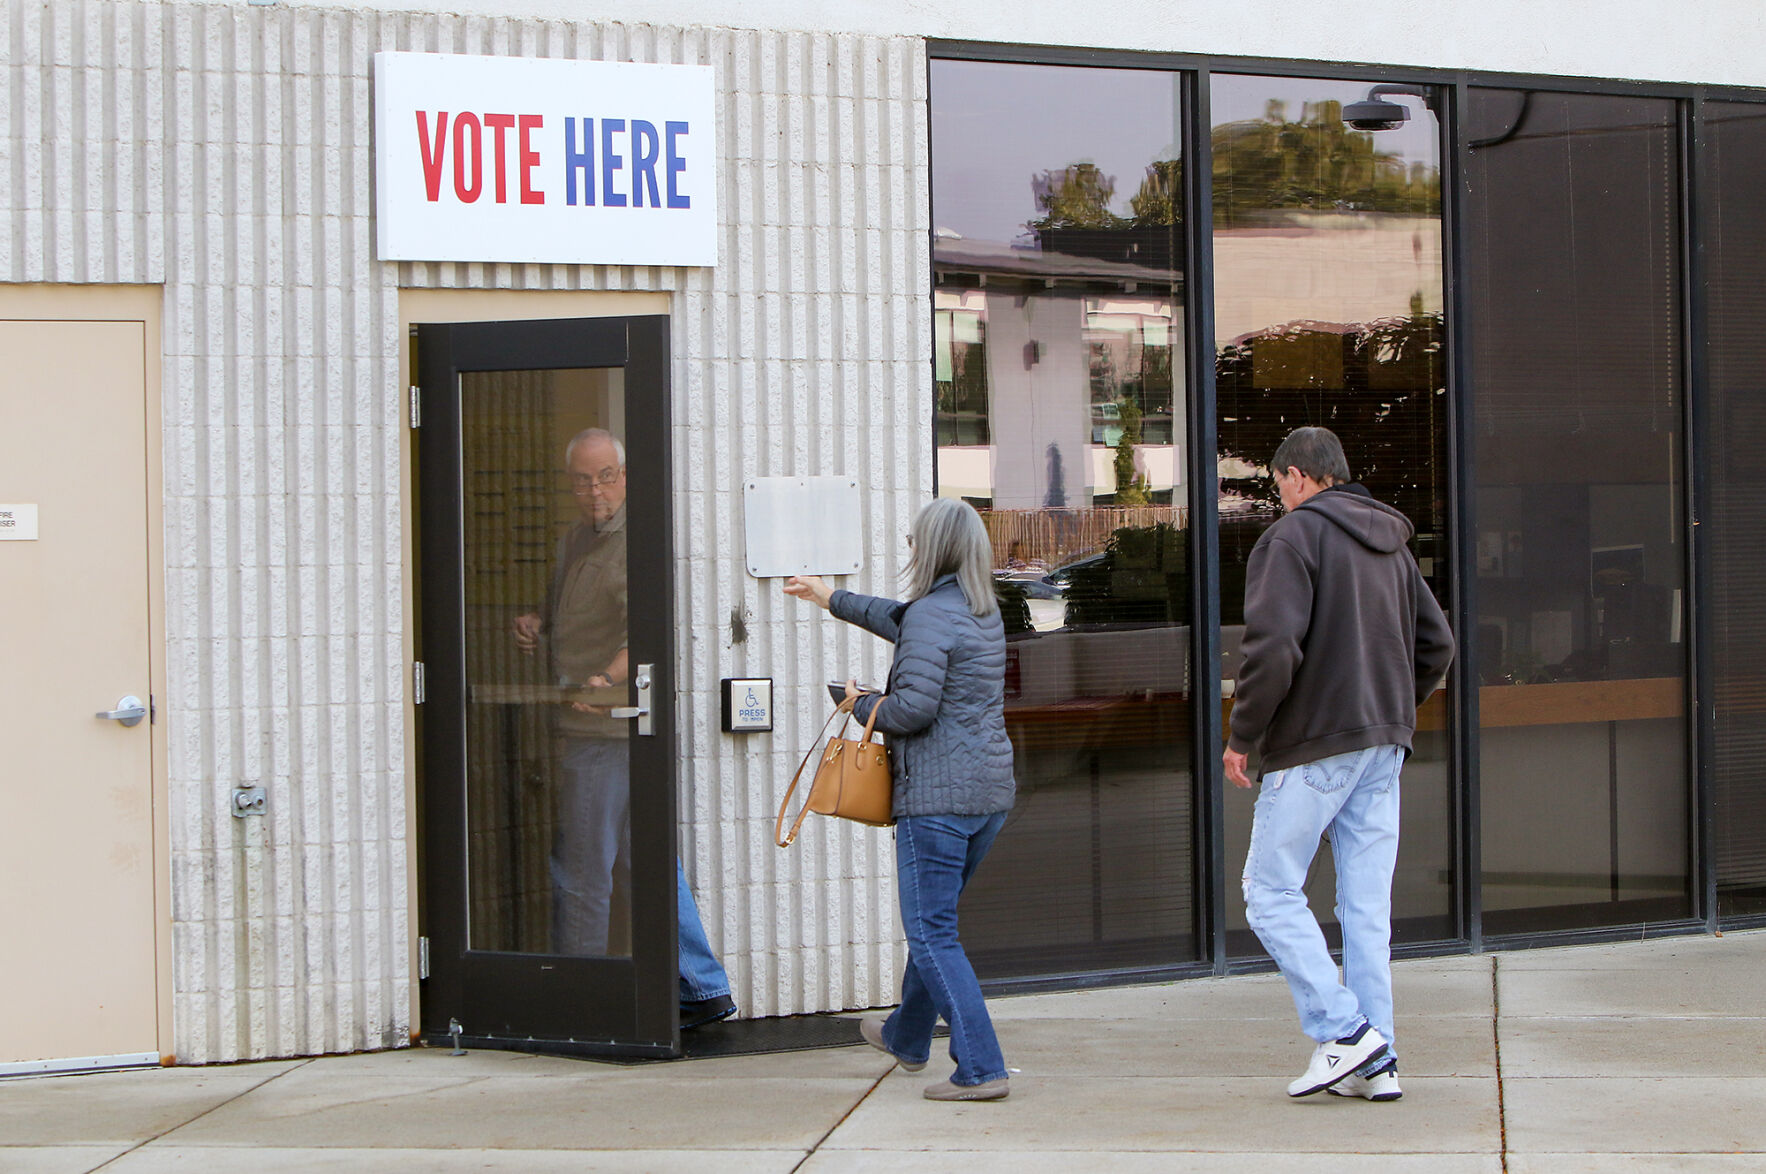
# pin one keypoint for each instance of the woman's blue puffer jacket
(944, 709)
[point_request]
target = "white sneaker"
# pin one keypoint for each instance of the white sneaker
(1337, 1060)
(1379, 1085)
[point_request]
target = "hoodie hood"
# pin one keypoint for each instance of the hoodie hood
(1374, 524)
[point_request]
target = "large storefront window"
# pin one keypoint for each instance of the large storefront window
(1328, 300)
(1736, 297)
(1059, 342)
(1574, 262)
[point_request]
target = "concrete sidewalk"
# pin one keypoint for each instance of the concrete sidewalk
(1636, 1057)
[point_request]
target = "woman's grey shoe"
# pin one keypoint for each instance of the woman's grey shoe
(987, 1090)
(873, 1033)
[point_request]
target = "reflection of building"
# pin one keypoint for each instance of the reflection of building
(1036, 351)
(1369, 265)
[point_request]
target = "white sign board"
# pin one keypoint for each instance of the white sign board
(544, 160)
(18, 523)
(802, 526)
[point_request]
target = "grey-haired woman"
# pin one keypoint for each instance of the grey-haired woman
(944, 714)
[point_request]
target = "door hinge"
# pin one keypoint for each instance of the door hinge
(417, 682)
(422, 957)
(416, 406)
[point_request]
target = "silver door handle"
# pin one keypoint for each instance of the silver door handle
(129, 711)
(641, 710)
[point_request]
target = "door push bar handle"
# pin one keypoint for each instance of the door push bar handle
(129, 711)
(641, 711)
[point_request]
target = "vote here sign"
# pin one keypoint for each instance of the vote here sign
(544, 160)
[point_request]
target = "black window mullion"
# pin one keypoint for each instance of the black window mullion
(1694, 200)
(1205, 514)
(1463, 701)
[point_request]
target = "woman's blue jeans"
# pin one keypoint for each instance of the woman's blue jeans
(1353, 799)
(935, 855)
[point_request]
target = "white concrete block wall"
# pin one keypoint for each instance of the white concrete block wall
(223, 152)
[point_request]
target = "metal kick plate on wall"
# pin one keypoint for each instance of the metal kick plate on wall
(802, 526)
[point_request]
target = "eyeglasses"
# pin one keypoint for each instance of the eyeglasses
(590, 480)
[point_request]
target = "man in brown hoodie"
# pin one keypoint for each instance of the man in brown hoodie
(1342, 641)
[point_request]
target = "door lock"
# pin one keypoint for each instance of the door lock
(129, 711)
(641, 710)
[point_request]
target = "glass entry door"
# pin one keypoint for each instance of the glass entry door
(547, 778)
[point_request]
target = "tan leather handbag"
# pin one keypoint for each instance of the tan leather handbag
(851, 780)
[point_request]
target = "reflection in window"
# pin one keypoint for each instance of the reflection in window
(1580, 647)
(1058, 335)
(1736, 298)
(1328, 297)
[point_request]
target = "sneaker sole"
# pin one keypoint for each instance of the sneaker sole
(1377, 1098)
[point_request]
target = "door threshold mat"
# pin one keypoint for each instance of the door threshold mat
(754, 1037)
(731, 1037)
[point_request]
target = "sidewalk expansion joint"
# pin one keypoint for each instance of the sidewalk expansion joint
(844, 1118)
(173, 1129)
(1496, 1048)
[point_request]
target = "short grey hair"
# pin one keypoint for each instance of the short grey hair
(588, 434)
(1316, 452)
(949, 538)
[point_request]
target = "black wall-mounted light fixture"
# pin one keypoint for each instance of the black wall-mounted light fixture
(1376, 113)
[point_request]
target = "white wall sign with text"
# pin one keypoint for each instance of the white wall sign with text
(544, 160)
(18, 523)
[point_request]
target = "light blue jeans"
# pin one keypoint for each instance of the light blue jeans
(1352, 799)
(935, 855)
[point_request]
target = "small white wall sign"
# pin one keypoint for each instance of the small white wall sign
(802, 526)
(748, 704)
(18, 523)
(544, 160)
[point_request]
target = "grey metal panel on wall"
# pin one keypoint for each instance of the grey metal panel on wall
(224, 152)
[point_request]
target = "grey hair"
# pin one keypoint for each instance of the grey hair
(588, 434)
(950, 539)
(1316, 452)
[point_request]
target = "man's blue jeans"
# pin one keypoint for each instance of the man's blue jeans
(1353, 799)
(935, 855)
(591, 843)
(702, 975)
(590, 861)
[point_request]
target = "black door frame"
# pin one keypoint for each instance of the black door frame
(534, 1002)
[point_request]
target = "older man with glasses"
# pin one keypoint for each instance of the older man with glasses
(582, 629)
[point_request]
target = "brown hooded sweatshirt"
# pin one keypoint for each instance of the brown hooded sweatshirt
(1343, 639)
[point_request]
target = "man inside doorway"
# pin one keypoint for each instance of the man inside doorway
(582, 629)
(1343, 640)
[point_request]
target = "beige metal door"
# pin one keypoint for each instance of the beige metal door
(77, 871)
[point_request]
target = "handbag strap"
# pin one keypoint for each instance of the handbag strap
(786, 840)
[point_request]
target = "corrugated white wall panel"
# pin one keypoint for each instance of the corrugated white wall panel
(224, 152)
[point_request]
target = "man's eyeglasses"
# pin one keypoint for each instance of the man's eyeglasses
(590, 480)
